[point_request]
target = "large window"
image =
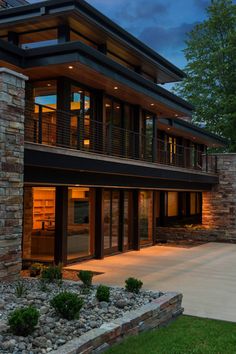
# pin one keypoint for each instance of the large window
(80, 130)
(146, 216)
(147, 135)
(173, 204)
(111, 213)
(39, 223)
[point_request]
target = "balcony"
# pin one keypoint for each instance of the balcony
(47, 126)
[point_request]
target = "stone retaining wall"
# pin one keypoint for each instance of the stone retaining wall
(12, 95)
(188, 234)
(219, 205)
(156, 314)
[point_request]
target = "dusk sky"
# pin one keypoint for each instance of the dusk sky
(161, 24)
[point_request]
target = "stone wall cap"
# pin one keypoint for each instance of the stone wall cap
(13, 73)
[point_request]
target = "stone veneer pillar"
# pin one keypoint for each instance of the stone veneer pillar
(12, 102)
(219, 205)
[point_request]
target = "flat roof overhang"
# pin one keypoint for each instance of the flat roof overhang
(64, 166)
(54, 12)
(190, 131)
(88, 60)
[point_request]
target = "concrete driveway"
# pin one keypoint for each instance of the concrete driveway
(206, 275)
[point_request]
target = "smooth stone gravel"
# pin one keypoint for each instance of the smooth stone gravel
(53, 331)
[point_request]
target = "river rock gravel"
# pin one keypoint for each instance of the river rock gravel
(53, 331)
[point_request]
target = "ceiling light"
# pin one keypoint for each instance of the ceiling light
(107, 105)
(115, 88)
(49, 85)
(118, 107)
(70, 67)
(152, 104)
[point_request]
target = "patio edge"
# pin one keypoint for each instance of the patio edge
(158, 313)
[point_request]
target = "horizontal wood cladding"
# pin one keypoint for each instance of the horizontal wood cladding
(48, 167)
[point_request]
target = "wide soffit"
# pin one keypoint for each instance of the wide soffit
(82, 17)
(93, 69)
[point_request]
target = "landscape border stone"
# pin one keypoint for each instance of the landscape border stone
(158, 313)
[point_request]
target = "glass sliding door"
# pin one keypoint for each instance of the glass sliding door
(111, 210)
(146, 217)
(78, 229)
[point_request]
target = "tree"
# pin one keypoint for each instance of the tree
(211, 70)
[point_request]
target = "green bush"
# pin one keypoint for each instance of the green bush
(52, 273)
(86, 277)
(23, 321)
(133, 285)
(67, 305)
(103, 293)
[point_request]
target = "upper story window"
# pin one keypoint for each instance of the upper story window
(38, 39)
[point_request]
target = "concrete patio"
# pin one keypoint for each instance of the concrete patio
(205, 274)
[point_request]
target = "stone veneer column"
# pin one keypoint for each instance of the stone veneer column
(12, 102)
(219, 205)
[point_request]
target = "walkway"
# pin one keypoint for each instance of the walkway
(206, 275)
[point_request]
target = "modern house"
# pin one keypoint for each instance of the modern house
(109, 154)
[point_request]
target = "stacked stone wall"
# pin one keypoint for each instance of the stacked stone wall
(12, 101)
(219, 205)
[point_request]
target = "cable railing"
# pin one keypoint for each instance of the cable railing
(76, 130)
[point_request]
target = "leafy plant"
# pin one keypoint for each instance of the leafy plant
(23, 321)
(20, 289)
(103, 293)
(36, 269)
(86, 277)
(52, 273)
(67, 305)
(133, 285)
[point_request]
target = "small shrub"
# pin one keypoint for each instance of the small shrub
(36, 269)
(103, 293)
(86, 277)
(20, 289)
(52, 273)
(23, 321)
(133, 285)
(67, 305)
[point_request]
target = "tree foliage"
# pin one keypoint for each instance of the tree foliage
(211, 70)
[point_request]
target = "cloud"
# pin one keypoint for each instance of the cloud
(164, 39)
(138, 10)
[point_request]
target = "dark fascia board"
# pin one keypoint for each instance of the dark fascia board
(56, 6)
(81, 164)
(67, 52)
(193, 129)
(35, 175)
(11, 54)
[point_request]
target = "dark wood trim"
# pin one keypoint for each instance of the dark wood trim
(99, 236)
(61, 219)
(68, 163)
(121, 222)
(136, 234)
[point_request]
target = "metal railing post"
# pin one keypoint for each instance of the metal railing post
(40, 122)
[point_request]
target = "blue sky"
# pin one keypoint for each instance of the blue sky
(161, 24)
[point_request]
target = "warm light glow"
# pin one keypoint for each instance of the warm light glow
(168, 128)
(118, 107)
(49, 85)
(86, 142)
(152, 104)
(115, 88)
(107, 105)
(70, 67)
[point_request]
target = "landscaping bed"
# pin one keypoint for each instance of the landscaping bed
(52, 331)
